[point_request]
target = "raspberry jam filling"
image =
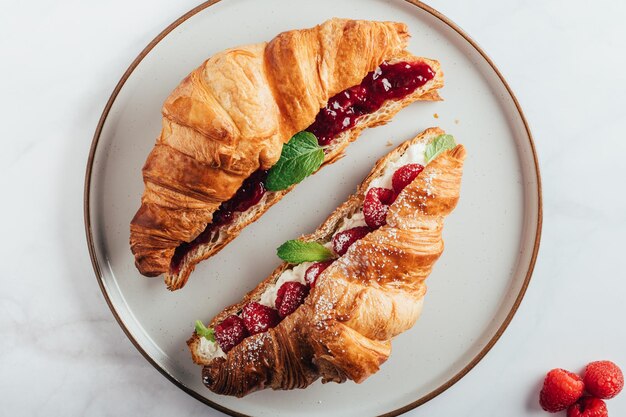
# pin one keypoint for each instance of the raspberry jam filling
(258, 317)
(249, 194)
(387, 82)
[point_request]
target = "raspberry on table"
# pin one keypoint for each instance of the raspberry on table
(603, 379)
(588, 407)
(561, 389)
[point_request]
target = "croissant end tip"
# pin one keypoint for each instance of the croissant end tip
(458, 152)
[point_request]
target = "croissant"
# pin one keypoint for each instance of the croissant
(226, 124)
(370, 294)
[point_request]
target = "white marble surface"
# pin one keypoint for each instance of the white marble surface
(61, 351)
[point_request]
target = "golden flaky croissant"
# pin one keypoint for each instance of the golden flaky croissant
(228, 120)
(373, 292)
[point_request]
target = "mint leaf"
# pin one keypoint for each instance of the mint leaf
(205, 332)
(299, 158)
(438, 145)
(297, 251)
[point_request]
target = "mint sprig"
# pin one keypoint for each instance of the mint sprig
(297, 251)
(438, 145)
(299, 158)
(207, 332)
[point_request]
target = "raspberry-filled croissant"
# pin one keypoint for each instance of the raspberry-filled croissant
(334, 316)
(225, 126)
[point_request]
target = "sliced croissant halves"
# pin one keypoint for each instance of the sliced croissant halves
(230, 118)
(360, 302)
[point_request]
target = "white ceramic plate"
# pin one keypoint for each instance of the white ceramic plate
(491, 238)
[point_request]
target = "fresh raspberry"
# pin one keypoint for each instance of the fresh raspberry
(588, 407)
(289, 297)
(343, 240)
(230, 332)
(376, 205)
(259, 318)
(560, 390)
(312, 272)
(603, 379)
(405, 175)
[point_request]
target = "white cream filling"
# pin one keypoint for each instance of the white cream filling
(210, 350)
(413, 155)
(268, 298)
(355, 220)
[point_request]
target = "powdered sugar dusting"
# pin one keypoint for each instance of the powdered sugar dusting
(428, 178)
(255, 347)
